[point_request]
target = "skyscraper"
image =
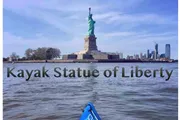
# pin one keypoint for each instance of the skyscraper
(168, 51)
(156, 50)
(153, 54)
(148, 54)
(141, 56)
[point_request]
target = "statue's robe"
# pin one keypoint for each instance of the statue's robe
(91, 23)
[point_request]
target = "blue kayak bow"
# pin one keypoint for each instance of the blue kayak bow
(90, 113)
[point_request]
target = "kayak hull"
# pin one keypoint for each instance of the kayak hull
(90, 113)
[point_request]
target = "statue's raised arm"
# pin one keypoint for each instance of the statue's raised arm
(91, 23)
(89, 11)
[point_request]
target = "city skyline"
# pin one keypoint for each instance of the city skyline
(153, 54)
(49, 24)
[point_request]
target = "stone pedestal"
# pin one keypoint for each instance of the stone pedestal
(69, 57)
(90, 43)
(85, 56)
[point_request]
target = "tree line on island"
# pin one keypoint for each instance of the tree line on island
(43, 53)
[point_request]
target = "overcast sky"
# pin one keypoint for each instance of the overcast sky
(128, 26)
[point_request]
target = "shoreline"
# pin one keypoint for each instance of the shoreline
(89, 61)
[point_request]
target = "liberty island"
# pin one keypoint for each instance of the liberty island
(90, 51)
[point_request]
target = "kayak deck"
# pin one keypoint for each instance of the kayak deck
(90, 113)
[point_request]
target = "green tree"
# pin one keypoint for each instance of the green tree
(29, 53)
(52, 53)
(40, 53)
(14, 56)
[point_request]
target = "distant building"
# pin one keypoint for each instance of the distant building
(121, 55)
(153, 55)
(162, 56)
(158, 56)
(129, 57)
(148, 54)
(156, 51)
(141, 56)
(136, 56)
(168, 51)
(10, 59)
(144, 56)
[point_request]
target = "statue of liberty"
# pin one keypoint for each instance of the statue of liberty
(91, 23)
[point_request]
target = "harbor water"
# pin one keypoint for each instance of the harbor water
(115, 98)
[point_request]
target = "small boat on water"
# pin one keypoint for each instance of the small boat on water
(90, 113)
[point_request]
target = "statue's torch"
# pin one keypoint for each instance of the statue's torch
(89, 11)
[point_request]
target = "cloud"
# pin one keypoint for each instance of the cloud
(143, 34)
(104, 16)
(16, 42)
(116, 34)
(124, 18)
